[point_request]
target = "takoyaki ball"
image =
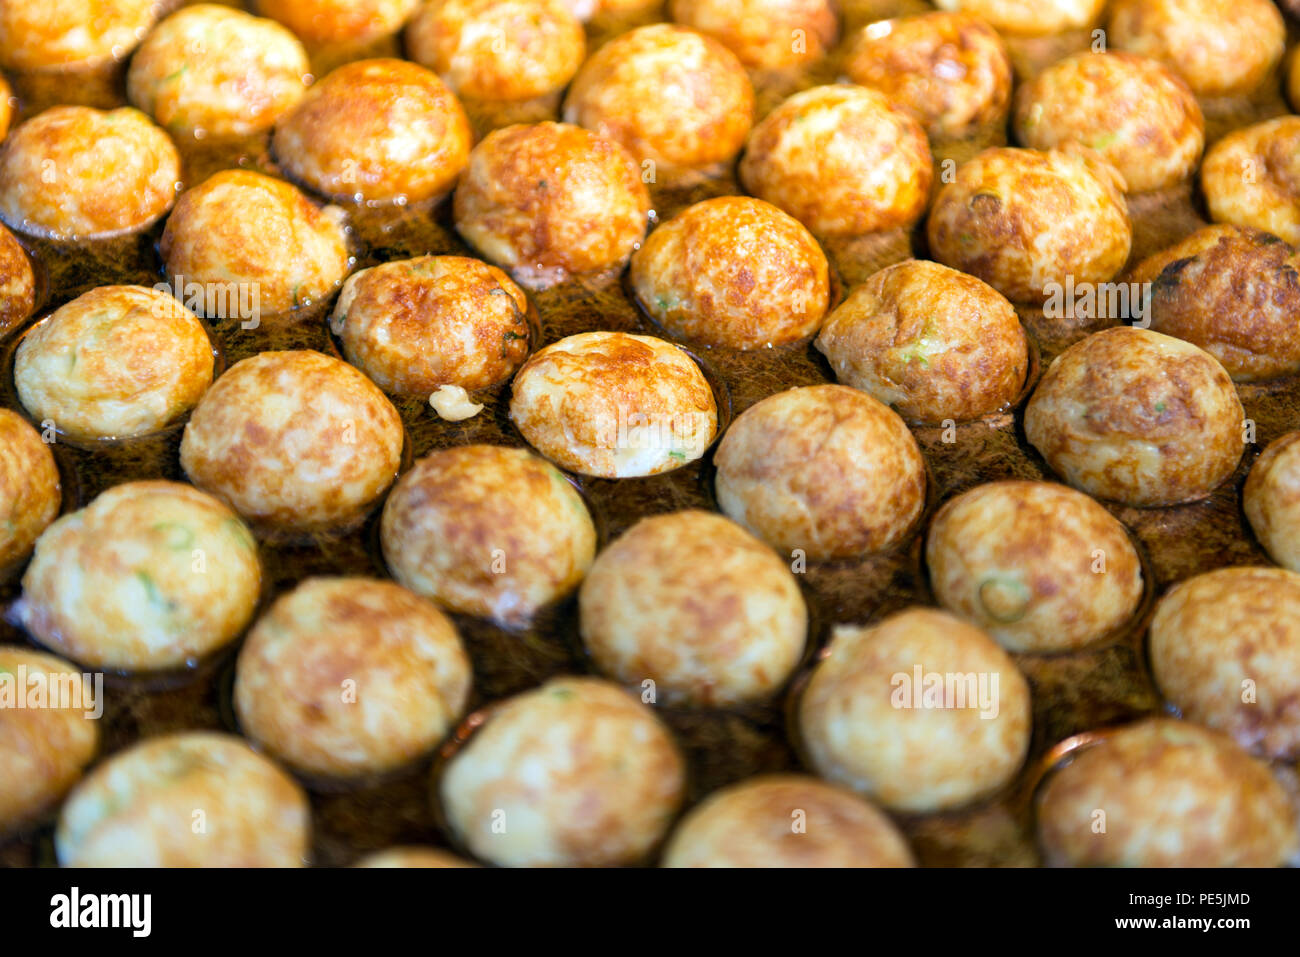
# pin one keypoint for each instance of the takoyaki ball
(6, 108)
(1232, 290)
(74, 173)
(824, 469)
(1220, 47)
(59, 34)
(494, 50)
(1225, 651)
(1022, 220)
(17, 282)
(375, 130)
(193, 799)
(576, 773)
(1137, 114)
(614, 405)
(1040, 567)
(764, 33)
(209, 70)
(667, 95)
(1030, 17)
(695, 604)
(786, 820)
(1137, 417)
(1173, 794)
(416, 325)
(325, 22)
(549, 200)
(413, 857)
(295, 439)
(116, 362)
(260, 235)
(920, 712)
(1251, 177)
(150, 575)
(488, 531)
(734, 272)
(950, 71)
(843, 160)
(44, 747)
(30, 494)
(928, 341)
(1271, 499)
(350, 676)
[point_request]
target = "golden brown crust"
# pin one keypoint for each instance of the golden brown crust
(1137, 417)
(59, 34)
(930, 342)
(419, 324)
(1041, 567)
(734, 272)
(1271, 500)
(950, 71)
(72, 172)
(17, 281)
(297, 439)
(551, 200)
(488, 531)
(6, 108)
(1232, 290)
(665, 94)
(413, 857)
(1112, 806)
(30, 494)
(786, 820)
(1251, 177)
(840, 159)
(764, 33)
(325, 22)
(1022, 220)
(694, 604)
(1031, 17)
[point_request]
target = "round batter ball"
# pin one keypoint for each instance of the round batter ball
(1251, 177)
(1225, 650)
(296, 439)
(60, 34)
(1138, 115)
(786, 820)
(576, 773)
(1220, 47)
(208, 70)
(667, 94)
(193, 799)
(1173, 795)
(1031, 17)
(416, 325)
(930, 342)
(695, 604)
(823, 469)
(413, 857)
(324, 22)
(375, 130)
(950, 71)
(614, 405)
(494, 50)
(45, 741)
(350, 676)
(764, 33)
(1137, 417)
(1040, 567)
(921, 682)
(549, 200)
(30, 494)
(843, 160)
(248, 240)
(1271, 499)
(149, 576)
(75, 173)
(17, 282)
(1025, 221)
(1232, 290)
(116, 362)
(488, 531)
(734, 272)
